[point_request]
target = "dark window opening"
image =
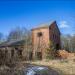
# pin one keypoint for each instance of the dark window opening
(39, 55)
(20, 52)
(12, 53)
(39, 34)
(49, 27)
(30, 55)
(57, 46)
(16, 48)
(6, 52)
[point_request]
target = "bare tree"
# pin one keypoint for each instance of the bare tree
(68, 42)
(1, 37)
(18, 33)
(73, 43)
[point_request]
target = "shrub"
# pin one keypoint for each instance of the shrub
(50, 51)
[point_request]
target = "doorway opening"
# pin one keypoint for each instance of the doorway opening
(57, 47)
(39, 55)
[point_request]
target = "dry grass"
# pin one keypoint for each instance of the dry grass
(66, 67)
(63, 67)
(12, 69)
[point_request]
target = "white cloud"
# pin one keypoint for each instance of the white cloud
(64, 24)
(72, 34)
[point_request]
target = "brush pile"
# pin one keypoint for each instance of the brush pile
(65, 54)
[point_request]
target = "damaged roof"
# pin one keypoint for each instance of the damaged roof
(12, 43)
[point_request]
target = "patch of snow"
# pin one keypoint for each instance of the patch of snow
(40, 68)
(30, 72)
(33, 70)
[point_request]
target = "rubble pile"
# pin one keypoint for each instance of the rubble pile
(65, 54)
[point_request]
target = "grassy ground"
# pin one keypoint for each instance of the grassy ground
(13, 69)
(64, 67)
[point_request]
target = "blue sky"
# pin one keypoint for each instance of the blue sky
(31, 13)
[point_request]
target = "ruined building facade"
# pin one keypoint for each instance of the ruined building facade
(41, 37)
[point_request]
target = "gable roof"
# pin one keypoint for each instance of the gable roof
(56, 26)
(45, 25)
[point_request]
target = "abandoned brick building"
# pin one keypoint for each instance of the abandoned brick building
(17, 49)
(41, 37)
(40, 41)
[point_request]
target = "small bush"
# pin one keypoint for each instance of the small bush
(50, 52)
